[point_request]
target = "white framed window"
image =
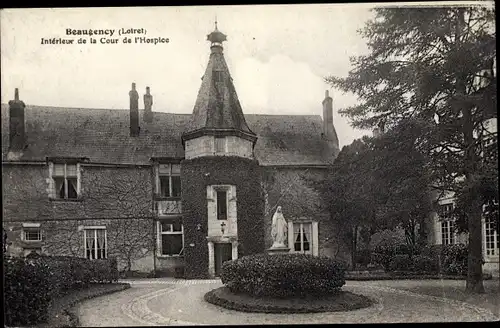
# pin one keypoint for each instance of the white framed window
(447, 233)
(491, 240)
(95, 242)
(448, 236)
(220, 145)
(302, 237)
(171, 237)
(169, 180)
(65, 181)
(31, 232)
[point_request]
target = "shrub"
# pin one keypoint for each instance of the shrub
(363, 257)
(454, 259)
(283, 275)
(27, 295)
(401, 263)
(424, 264)
(32, 283)
(384, 254)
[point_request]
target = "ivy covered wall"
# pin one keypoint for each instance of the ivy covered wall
(196, 175)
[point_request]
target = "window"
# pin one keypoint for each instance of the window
(32, 234)
(218, 76)
(447, 233)
(491, 238)
(221, 204)
(65, 181)
(302, 238)
(172, 237)
(169, 180)
(447, 225)
(95, 243)
(220, 144)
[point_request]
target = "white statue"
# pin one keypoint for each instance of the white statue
(279, 229)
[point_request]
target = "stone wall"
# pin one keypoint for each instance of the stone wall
(118, 198)
(290, 188)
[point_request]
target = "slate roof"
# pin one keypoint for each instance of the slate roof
(217, 105)
(102, 135)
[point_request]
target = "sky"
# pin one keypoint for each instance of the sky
(278, 56)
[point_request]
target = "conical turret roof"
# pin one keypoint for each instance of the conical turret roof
(217, 106)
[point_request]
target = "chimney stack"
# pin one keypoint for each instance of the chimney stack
(16, 123)
(328, 129)
(134, 111)
(148, 104)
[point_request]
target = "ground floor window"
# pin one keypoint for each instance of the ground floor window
(171, 237)
(32, 234)
(447, 233)
(302, 237)
(95, 243)
(492, 242)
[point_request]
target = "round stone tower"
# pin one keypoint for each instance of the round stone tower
(221, 195)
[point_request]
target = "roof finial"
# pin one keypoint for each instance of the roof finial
(216, 22)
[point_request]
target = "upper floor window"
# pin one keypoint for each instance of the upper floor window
(169, 180)
(221, 204)
(65, 179)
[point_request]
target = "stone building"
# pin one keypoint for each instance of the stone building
(159, 190)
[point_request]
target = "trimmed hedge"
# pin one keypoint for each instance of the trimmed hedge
(342, 301)
(27, 291)
(32, 283)
(284, 275)
(417, 264)
(445, 259)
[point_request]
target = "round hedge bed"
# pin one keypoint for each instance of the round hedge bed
(342, 301)
(285, 283)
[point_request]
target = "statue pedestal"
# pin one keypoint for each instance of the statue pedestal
(278, 250)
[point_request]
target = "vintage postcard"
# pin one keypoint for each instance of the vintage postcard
(251, 164)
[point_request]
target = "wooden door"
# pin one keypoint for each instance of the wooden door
(223, 252)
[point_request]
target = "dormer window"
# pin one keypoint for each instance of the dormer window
(218, 76)
(65, 180)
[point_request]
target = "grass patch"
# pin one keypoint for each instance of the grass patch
(343, 301)
(60, 312)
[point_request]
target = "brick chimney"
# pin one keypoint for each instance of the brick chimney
(148, 104)
(16, 123)
(134, 111)
(328, 129)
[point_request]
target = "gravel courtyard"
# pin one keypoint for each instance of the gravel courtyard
(180, 302)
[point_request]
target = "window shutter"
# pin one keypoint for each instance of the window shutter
(315, 238)
(290, 235)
